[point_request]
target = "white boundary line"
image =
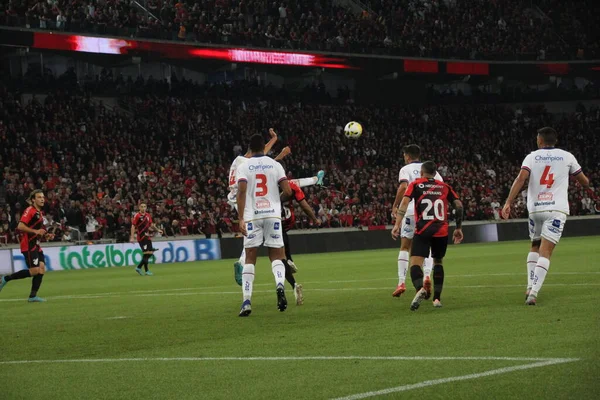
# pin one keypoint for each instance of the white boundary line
(434, 382)
(195, 292)
(300, 358)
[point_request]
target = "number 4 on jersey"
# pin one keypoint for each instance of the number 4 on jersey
(547, 178)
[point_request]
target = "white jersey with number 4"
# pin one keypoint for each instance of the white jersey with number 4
(263, 175)
(549, 171)
(239, 160)
(410, 173)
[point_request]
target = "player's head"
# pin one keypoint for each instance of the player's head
(257, 144)
(428, 169)
(547, 137)
(143, 207)
(412, 152)
(36, 198)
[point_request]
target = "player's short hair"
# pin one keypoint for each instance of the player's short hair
(429, 167)
(412, 150)
(257, 144)
(35, 193)
(548, 135)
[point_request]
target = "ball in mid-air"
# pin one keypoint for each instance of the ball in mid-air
(353, 130)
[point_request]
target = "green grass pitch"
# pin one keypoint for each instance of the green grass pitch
(176, 335)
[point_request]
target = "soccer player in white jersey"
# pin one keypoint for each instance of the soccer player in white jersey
(548, 170)
(259, 207)
(408, 174)
(232, 196)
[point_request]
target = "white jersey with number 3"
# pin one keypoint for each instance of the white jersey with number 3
(549, 171)
(410, 173)
(263, 175)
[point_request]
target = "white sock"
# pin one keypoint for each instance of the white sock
(247, 281)
(278, 272)
(532, 259)
(303, 182)
(427, 267)
(541, 269)
(242, 259)
(402, 266)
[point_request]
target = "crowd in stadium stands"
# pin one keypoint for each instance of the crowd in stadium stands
(96, 163)
(477, 29)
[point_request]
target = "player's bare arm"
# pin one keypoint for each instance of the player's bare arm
(272, 141)
(514, 191)
(241, 203)
(132, 234)
(458, 233)
(399, 195)
(310, 212)
(157, 229)
(399, 215)
(24, 228)
(286, 151)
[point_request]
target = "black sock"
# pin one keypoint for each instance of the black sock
(438, 281)
(22, 274)
(36, 282)
(289, 276)
(416, 274)
(145, 261)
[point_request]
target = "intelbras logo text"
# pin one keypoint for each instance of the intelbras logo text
(259, 167)
(548, 158)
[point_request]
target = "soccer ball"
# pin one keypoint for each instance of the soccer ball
(353, 130)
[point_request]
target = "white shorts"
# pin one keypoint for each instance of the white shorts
(267, 231)
(408, 227)
(547, 224)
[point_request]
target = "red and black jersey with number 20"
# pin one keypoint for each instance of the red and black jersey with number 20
(431, 206)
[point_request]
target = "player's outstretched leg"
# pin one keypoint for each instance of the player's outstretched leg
(22, 274)
(438, 284)
(541, 269)
(248, 282)
(320, 176)
(416, 274)
(142, 263)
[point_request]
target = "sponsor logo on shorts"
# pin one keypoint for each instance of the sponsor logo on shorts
(249, 226)
(276, 226)
(252, 236)
(262, 203)
(275, 236)
(407, 221)
(545, 196)
(556, 223)
(554, 230)
(260, 212)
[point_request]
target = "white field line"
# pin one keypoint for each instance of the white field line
(300, 358)
(434, 382)
(182, 292)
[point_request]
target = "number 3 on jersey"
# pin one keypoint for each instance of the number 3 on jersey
(261, 185)
(438, 210)
(547, 178)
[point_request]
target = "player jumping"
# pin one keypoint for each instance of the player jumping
(142, 223)
(289, 220)
(233, 188)
(31, 226)
(431, 198)
(408, 174)
(548, 170)
(259, 208)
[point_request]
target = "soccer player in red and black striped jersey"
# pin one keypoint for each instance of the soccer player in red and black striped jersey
(431, 220)
(289, 221)
(32, 231)
(142, 223)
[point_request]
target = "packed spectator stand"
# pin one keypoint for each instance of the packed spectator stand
(474, 29)
(173, 149)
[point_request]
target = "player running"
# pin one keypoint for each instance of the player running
(31, 226)
(142, 223)
(431, 198)
(548, 170)
(233, 188)
(259, 208)
(289, 220)
(408, 174)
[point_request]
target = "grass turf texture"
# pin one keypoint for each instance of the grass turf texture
(190, 310)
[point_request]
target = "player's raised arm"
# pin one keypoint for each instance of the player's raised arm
(514, 191)
(271, 142)
(286, 151)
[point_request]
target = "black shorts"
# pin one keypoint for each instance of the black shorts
(33, 258)
(145, 244)
(422, 244)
